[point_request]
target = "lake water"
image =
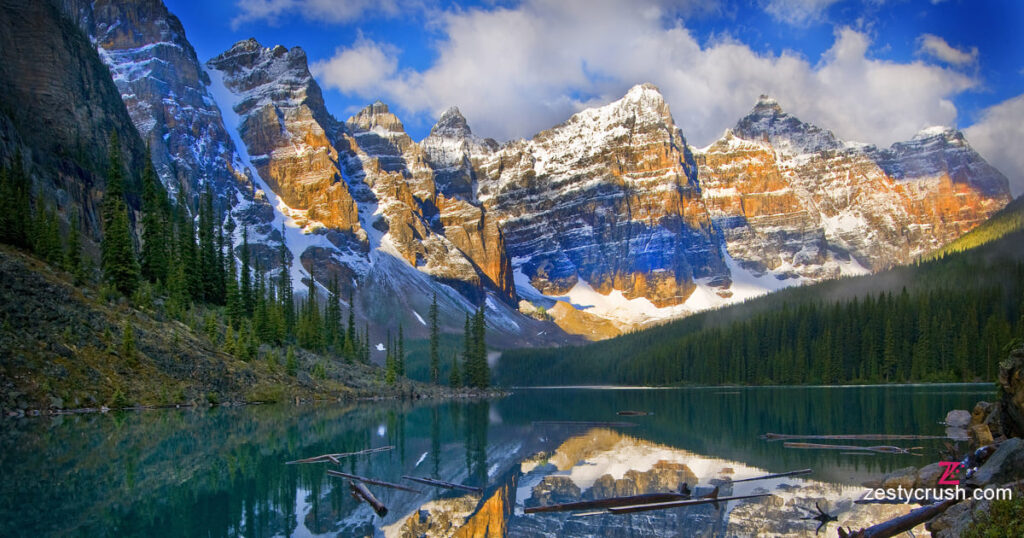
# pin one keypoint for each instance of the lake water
(221, 471)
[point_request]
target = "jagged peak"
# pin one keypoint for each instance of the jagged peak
(374, 115)
(767, 105)
(643, 92)
(935, 131)
(452, 124)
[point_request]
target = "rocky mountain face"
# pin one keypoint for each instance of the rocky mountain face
(611, 214)
(58, 108)
(165, 91)
(793, 200)
(364, 177)
(612, 198)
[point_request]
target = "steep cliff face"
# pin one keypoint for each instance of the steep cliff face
(610, 199)
(795, 201)
(365, 177)
(166, 93)
(58, 108)
(288, 132)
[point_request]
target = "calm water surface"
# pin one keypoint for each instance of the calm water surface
(221, 472)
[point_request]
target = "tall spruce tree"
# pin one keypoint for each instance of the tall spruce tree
(454, 379)
(435, 342)
(120, 267)
(400, 353)
(154, 255)
(245, 277)
(284, 289)
(468, 350)
(481, 372)
(15, 207)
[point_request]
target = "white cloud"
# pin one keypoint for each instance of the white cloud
(996, 137)
(360, 69)
(937, 47)
(798, 12)
(331, 11)
(516, 71)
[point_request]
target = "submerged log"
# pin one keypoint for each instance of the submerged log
(776, 475)
(443, 484)
(633, 413)
(333, 458)
(583, 423)
(631, 500)
(855, 448)
(679, 504)
(899, 525)
(851, 437)
(360, 490)
(364, 479)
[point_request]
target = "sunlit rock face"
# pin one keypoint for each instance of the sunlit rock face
(611, 197)
(287, 130)
(792, 199)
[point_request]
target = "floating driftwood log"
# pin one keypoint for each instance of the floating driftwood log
(679, 504)
(366, 480)
(632, 500)
(850, 437)
(776, 475)
(628, 413)
(583, 423)
(904, 523)
(443, 484)
(855, 448)
(360, 492)
(333, 458)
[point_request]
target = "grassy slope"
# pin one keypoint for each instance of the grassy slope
(61, 346)
(966, 261)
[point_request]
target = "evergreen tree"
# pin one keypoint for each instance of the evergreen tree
(333, 333)
(468, 349)
(400, 354)
(435, 338)
(454, 380)
(284, 289)
(245, 278)
(15, 207)
(73, 252)
(154, 255)
(291, 365)
(208, 266)
(481, 372)
(120, 266)
(390, 368)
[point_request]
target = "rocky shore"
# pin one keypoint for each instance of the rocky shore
(994, 432)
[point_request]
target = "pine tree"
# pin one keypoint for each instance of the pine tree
(454, 380)
(400, 355)
(15, 207)
(291, 365)
(481, 372)
(245, 278)
(468, 350)
(208, 266)
(120, 267)
(73, 252)
(351, 347)
(284, 289)
(390, 368)
(435, 337)
(154, 256)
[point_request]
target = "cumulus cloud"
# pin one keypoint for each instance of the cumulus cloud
(996, 137)
(360, 69)
(331, 11)
(516, 71)
(798, 12)
(937, 47)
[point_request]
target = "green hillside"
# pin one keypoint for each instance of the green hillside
(944, 319)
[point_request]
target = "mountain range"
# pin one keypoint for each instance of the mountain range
(605, 223)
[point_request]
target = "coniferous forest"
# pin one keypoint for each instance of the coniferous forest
(949, 318)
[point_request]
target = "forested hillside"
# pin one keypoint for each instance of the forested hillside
(944, 319)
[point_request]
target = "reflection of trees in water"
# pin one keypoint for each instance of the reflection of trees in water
(475, 427)
(435, 441)
(727, 421)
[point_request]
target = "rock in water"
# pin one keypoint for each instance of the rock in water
(1011, 388)
(958, 418)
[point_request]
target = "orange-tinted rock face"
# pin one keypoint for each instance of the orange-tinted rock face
(288, 132)
(791, 197)
(610, 197)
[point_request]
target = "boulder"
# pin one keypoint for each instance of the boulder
(980, 435)
(958, 418)
(1011, 394)
(1006, 465)
(905, 478)
(980, 412)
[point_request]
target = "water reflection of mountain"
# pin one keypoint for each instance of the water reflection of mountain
(728, 421)
(220, 472)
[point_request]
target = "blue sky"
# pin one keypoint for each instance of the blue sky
(870, 70)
